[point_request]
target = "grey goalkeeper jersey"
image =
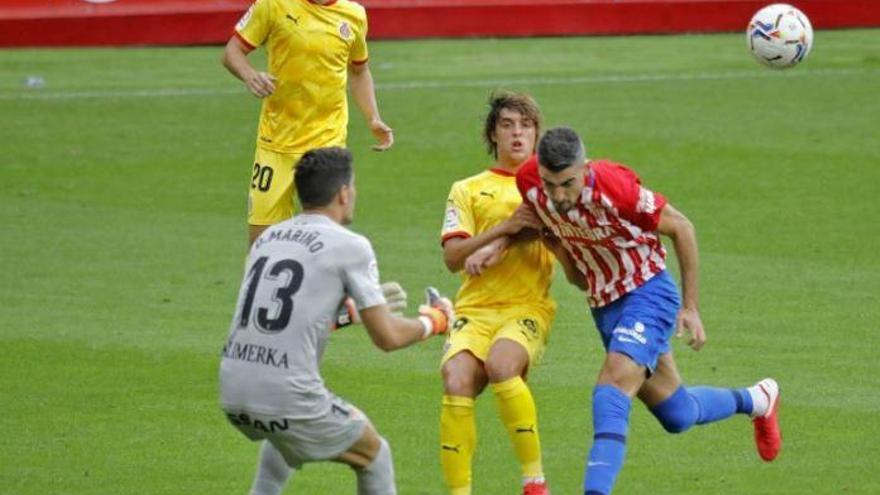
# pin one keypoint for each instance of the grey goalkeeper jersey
(297, 275)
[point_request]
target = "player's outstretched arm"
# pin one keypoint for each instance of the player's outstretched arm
(677, 227)
(390, 332)
(260, 84)
(364, 92)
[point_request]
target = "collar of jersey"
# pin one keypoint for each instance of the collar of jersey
(312, 218)
(502, 171)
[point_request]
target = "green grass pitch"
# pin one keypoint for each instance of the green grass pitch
(123, 191)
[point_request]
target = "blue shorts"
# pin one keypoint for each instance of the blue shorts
(640, 323)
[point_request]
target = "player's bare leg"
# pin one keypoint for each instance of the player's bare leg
(506, 366)
(254, 231)
(370, 457)
(622, 372)
(663, 382)
(464, 378)
(464, 375)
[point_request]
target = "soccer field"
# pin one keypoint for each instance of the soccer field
(123, 193)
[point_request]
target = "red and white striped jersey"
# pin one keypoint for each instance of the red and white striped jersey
(611, 232)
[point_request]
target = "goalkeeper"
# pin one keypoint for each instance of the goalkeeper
(299, 271)
(504, 308)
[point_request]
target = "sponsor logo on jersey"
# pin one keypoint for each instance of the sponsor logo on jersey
(273, 425)
(243, 22)
(634, 335)
(597, 235)
(253, 353)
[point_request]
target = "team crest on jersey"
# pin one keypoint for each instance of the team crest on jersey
(345, 30)
(245, 18)
(530, 327)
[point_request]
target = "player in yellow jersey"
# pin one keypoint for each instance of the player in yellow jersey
(313, 47)
(503, 307)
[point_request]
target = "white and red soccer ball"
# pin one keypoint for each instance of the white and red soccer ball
(780, 36)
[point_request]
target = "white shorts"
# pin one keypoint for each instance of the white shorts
(305, 440)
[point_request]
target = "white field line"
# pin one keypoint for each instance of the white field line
(758, 73)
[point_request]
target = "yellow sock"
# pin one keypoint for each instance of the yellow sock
(517, 409)
(458, 437)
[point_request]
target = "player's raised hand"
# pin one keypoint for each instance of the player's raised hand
(437, 314)
(524, 217)
(395, 297)
(689, 322)
(260, 84)
(383, 134)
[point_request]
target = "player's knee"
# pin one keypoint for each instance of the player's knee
(677, 413)
(676, 423)
(364, 450)
(462, 379)
(459, 384)
(500, 370)
(507, 359)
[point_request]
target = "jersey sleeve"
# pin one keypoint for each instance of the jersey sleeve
(458, 220)
(361, 275)
(254, 26)
(359, 53)
(633, 201)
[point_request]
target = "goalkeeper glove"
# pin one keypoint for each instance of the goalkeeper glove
(395, 298)
(437, 314)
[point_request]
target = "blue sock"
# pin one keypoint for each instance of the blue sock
(716, 404)
(610, 423)
(700, 405)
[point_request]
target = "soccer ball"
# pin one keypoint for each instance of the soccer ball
(780, 36)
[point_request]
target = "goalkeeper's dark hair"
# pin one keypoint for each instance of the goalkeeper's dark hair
(560, 148)
(499, 100)
(319, 175)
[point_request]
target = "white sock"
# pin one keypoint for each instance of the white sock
(272, 472)
(532, 479)
(760, 400)
(378, 477)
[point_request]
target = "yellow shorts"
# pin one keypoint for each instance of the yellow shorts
(271, 195)
(477, 330)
